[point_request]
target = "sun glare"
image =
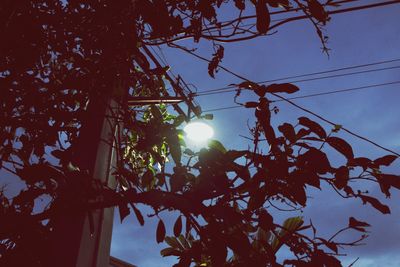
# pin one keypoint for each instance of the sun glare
(198, 131)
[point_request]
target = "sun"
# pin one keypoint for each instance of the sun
(198, 131)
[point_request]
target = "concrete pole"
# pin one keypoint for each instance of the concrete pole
(75, 242)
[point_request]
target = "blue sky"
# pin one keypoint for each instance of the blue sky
(355, 38)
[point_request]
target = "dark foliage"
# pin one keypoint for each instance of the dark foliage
(57, 58)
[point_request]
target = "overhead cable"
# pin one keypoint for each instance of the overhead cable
(308, 74)
(315, 94)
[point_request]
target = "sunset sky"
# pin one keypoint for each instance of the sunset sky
(356, 38)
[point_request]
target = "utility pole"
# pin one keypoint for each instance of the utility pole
(78, 240)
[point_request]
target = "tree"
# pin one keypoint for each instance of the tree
(61, 57)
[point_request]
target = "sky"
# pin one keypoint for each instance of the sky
(355, 38)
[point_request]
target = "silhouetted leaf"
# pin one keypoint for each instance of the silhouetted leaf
(288, 131)
(174, 146)
(332, 246)
(318, 11)
(279, 3)
(391, 179)
(263, 17)
(256, 200)
(123, 211)
(290, 225)
(147, 178)
(385, 160)
(265, 220)
(357, 225)
(240, 4)
(251, 104)
(173, 242)
(179, 120)
(375, 203)
(170, 252)
(299, 195)
(160, 234)
(247, 85)
(184, 242)
(313, 126)
(349, 191)
(177, 181)
(361, 162)
(217, 57)
(341, 177)
(314, 160)
(138, 214)
(341, 146)
(217, 145)
(178, 226)
(282, 88)
(235, 154)
(386, 181)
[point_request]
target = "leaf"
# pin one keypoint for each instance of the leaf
(263, 17)
(177, 182)
(138, 214)
(123, 211)
(263, 236)
(178, 226)
(288, 132)
(147, 178)
(251, 104)
(282, 88)
(179, 120)
(247, 85)
(217, 57)
(361, 162)
(293, 223)
(375, 203)
(235, 154)
(341, 177)
(386, 181)
(217, 145)
(279, 3)
(385, 160)
(174, 146)
(184, 242)
(265, 220)
(314, 160)
(173, 242)
(313, 126)
(337, 128)
(341, 146)
(318, 11)
(170, 252)
(240, 4)
(357, 225)
(189, 152)
(290, 225)
(349, 191)
(391, 179)
(331, 245)
(299, 195)
(160, 234)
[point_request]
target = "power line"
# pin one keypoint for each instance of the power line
(306, 75)
(309, 79)
(314, 95)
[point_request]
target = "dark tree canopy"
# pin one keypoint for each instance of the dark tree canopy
(57, 58)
